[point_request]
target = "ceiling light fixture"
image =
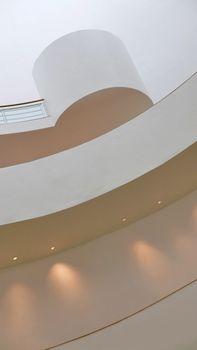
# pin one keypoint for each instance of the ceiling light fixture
(15, 258)
(159, 202)
(52, 248)
(124, 219)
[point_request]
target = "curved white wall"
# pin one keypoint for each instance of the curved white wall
(50, 301)
(170, 324)
(74, 176)
(80, 64)
(160, 37)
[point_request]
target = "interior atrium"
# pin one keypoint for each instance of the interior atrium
(98, 175)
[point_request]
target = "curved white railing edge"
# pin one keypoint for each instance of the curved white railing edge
(23, 112)
(23, 117)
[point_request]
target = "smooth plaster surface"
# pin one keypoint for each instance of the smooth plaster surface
(87, 221)
(52, 300)
(159, 35)
(88, 118)
(81, 63)
(84, 172)
(170, 324)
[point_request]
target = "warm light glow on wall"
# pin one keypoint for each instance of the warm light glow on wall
(185, 246)
(18, 310)
(153, 264)
(65, 282)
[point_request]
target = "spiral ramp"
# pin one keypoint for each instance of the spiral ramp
(98, 224)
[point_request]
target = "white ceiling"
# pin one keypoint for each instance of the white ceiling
(160, 36)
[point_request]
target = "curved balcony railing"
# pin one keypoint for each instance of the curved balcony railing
(23, 112)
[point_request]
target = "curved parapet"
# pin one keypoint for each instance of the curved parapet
(86, 119)
(68, 295)
(90, 87)
(160, 39)
(81, 63)
(166, 324)
(120, 207)
(82, 173)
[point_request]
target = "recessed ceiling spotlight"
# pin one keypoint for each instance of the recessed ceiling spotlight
(15, 258)
(52, 248)
(124, 219)
(159, 202)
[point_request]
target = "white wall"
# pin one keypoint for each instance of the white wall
(160, 36)
(80, 64)
(171, 325)
(46, 302)
(76, 175)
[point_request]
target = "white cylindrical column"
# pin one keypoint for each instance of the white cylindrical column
(80, 64)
